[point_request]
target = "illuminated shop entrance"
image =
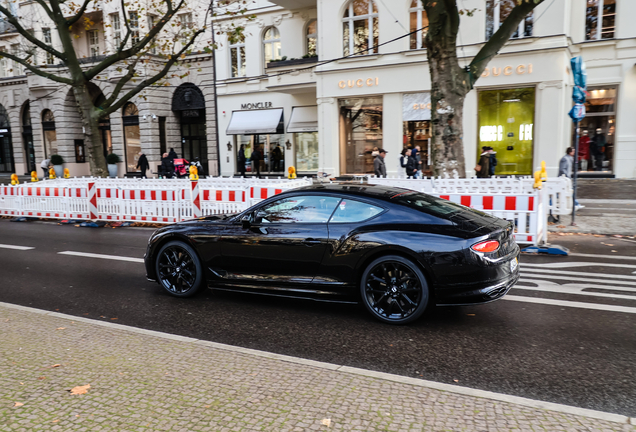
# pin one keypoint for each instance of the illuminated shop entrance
(360, 133)
(506, 123)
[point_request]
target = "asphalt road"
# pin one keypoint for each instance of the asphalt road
(566, 334)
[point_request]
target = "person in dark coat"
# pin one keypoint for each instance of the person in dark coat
(172, 154)
(142, 164)
(240, 160)
(411, 165)
(256, 158)
(167, 166)
(379, 167)
(484, 163)
(493, 160)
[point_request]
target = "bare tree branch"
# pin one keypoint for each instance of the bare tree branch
(36, 70)
(79, 13)
(122, 82)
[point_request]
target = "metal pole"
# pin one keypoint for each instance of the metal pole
(575, 169)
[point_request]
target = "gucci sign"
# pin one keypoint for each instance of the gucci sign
(369, 82)
(507, 70)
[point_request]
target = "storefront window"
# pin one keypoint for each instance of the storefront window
(416, 127)
(506, 123)
(597, 131)
(132, 137)
(272, 148)
(50, 136)
(360, 133)
(307, 151)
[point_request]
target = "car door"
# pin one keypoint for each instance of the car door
(281, 243)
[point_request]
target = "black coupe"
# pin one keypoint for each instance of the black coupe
(394, 249)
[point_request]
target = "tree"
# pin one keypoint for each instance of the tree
(451, 83)
(152, 39)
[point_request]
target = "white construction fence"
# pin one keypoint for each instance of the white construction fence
(174, 200)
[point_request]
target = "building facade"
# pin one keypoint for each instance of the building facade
(39, 117)
(327, 81)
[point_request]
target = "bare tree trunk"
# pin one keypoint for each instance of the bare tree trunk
(92, 136)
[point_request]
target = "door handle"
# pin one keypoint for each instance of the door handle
(311, 241)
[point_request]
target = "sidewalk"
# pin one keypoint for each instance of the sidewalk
(146, 381)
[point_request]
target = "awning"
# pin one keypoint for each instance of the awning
(253, 122)
(303, 119)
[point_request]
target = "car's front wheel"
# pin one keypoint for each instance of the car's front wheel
(179, 269)
(394, 290)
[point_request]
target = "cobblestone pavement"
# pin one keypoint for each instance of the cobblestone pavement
(140, 381)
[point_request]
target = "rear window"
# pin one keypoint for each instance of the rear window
(427, 204)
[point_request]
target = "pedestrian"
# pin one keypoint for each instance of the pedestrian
(379, 167)
(597, 146)
(277, 158)
(403, 158)
(167, 166)
(240, 160)
(142, 164)
(493, 160)
(411, 165)
(256, 158)
(172, 154)
(418, 158)
(45, 167)
(483, 167)
(566, 165)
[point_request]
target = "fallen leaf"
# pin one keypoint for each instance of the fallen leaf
(207, 406)
(42, 377)
(60, 328)
(561, 226)
(55, 421)
(456, 380)
(21, 383)
(17, 404)
(607, 244)
(470, 314)
(55, 365)
(80, 389)
(113, 319)
(326, 422)
(614, 251)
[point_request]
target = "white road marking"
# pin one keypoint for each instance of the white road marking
(582, 274)
(566, 264)
(4, 246)
(575, 304)
(606, 201)
(608, 256)
(110, 257)
(576, 279)
(576, 289)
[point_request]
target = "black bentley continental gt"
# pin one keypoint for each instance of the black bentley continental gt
(393, 249)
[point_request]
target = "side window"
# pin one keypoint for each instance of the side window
(299, 209)
(349, 211)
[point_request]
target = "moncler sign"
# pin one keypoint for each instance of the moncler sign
(257, 105)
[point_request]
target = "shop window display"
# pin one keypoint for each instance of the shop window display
(132, 136)
(418, 133)
(360, 133)
(272, 148)
(307, 151)
(506, 123)
(597, 131)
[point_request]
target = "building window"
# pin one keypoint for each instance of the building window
(186, 25)
(506, 123)
(496, 13)
(116, 25)
(17, 67)
(597, 130)
(312, 37)
(601, 12)
(132, 137)
(360, 31)
(152, 21)
(134, 27)
(46, 33)
(93, 42)
(271, 45)
(419, 20)
(237, 59)
(48, 130)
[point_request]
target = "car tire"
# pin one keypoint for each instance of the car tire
(179, 270)
(394, 290)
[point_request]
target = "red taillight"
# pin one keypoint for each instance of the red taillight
(486, 246)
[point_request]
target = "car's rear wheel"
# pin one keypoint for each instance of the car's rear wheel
(179, 270)
(394, 290)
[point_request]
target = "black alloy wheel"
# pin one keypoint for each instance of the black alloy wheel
(394, 290)
(179, 269)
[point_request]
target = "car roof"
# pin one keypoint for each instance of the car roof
(354, 189)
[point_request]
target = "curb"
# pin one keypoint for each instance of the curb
(465, 391)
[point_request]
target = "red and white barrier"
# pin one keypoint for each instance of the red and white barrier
(10, 201)
(143, 205)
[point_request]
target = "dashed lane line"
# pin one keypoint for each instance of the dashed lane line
(102, 256)
(4, 246)
(574, 304)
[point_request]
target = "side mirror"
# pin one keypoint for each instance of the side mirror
(246, 221)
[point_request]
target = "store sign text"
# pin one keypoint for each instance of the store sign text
(257, 105)
(507, 70)
(369, 82)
